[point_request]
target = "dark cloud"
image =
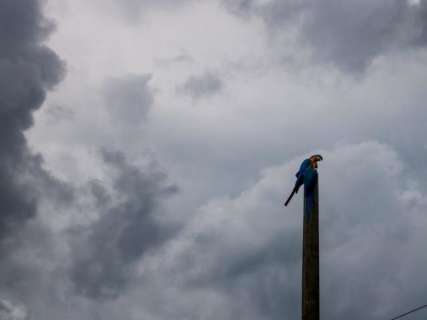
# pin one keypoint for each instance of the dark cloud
(104, 253)
(27, 70)
(349, 34)
(204, 85)
(129, 98)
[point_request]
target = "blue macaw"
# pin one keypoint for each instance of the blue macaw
(306, 175)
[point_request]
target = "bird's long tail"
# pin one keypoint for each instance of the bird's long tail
(290, 197)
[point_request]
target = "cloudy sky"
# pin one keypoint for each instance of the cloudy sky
(147, 146)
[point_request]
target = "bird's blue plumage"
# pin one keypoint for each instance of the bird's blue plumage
(307, 176)
(306, 164)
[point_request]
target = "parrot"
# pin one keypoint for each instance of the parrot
(306, 175)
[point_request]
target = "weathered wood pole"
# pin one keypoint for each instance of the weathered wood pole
(310, 260)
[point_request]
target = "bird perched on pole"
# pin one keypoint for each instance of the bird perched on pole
(306, 174)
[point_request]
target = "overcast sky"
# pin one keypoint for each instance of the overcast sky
(147, 147)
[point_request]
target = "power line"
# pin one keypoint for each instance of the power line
(409, 312)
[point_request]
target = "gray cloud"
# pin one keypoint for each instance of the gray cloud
(348, 35)
(129, 98)
(203, 85)
(9, 311)
(105, 252)
(27, 70)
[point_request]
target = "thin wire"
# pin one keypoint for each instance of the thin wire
(409, 312)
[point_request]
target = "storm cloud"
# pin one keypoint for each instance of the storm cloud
(27, 70)
(349, 35)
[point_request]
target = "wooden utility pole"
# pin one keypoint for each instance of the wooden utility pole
(310, 260)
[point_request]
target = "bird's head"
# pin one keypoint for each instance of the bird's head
(315, 158)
